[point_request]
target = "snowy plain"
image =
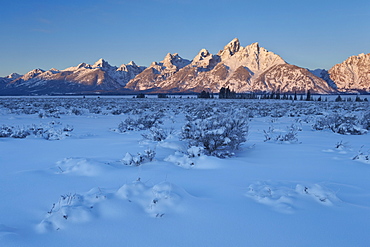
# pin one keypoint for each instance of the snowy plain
(68, 182)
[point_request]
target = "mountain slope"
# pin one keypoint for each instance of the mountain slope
(352, 74)
(289, 78)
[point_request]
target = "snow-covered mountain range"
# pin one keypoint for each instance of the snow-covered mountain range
(83, 78)
(242, 69)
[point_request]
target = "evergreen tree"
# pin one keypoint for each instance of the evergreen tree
(204, 95)
(338, 99)
(228, 92)
(222, 93)
(308, 97)
(277, 95)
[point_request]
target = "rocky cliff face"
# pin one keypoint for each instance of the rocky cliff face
(353, 74)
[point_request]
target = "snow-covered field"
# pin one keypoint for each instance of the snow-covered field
(142, 172)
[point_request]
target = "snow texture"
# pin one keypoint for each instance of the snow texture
(308, 189)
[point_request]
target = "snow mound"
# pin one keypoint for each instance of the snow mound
(287, 197)
(79, 167)
(181, 160)
(71, 208)
(156, 201)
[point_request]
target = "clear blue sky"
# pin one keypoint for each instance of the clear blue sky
(46, 34)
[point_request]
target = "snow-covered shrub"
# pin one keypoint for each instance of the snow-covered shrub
(55, 134)
(346, 124)
(48, 114)
(200, 112)
(157, 201)
(14, 131)
(127, 125)
(144, 122)
(95, 110)
(290, 136)
(366, 121)
(5, 131)
(52, 131)
(77, 112)
(20, 133)
(186, 159)
(157, 134)
(71, 208)
(140, 158)
(194, 151)
(218, 135)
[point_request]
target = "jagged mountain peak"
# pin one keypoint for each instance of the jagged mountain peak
(131, 67)
(174, 61)
(202, 54)
(101, 63)
(253, 57)
(36, 71)
(33, 73)
(83, 65)
(254, 46)
(230, 49)
(205, 60)
(170, 57)
(13, 76)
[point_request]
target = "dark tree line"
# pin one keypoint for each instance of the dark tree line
(205, 95)
(226, 93)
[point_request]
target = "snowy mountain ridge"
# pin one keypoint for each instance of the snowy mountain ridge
(243, 69)
(82, 78)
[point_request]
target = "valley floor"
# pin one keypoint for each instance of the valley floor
(71, 184)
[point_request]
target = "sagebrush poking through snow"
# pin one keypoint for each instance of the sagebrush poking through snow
(139, 159)
(218, 135)
(157, 134)
(347, 124)
(147, 121)
(51, 131)
(290, 136)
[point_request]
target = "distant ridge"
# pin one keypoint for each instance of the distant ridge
(243, 69)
